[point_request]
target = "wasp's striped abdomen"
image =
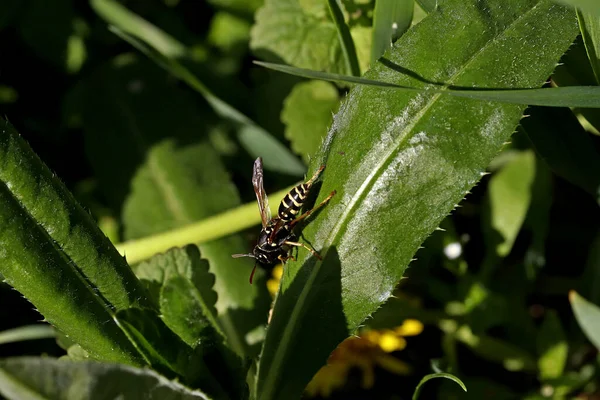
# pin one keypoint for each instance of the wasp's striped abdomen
(292, 202)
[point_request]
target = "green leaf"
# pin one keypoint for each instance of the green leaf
(166, 51)
(55, 255)
(391, 19)
(29, 332)
(346, 41)
(187, 308)
(162, 160)
(553, 348)
(565, 146)
(428, 5)
(509, 195)
(590, 6)
(292, 31)
(578, 96)
(589, 24)
(588, 317)
(307, 113)
(29, 378)
(400, 162)
(437, 375)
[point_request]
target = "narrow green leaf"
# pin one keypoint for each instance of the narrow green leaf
(589, 24)
(205, 230)
(346, 41)
(29, 332)
(588, 317)
(165, 51)
(307, 113)
(553, 348)
(46, 200)
(428, 5)
(32, 378)
(400, 162)
(570, 96)
(509, 195)
(58, 259)
(437, 375)
(391, 18)
(565, 146)
(590, 6)
(298, 33)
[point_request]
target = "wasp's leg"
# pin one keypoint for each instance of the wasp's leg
(305, 246)
(315, 176)
(284, 259)
(306, 214)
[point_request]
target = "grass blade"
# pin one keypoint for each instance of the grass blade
(571, 96)
(589, 24)
(30, 332)
(346, 42)
(391, 18)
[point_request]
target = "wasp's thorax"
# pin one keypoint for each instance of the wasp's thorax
(271, 242)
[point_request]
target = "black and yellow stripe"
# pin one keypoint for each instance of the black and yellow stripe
(292, 202)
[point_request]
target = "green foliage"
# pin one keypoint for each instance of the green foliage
(307, 113)
(437, 375)
(144, 120)
(382, 160)
(299, 33)
(510, 192)
(390, 20)
(588, 317)
(37, 378)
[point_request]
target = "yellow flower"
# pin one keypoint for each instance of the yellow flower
(365, 352)
(273, 283)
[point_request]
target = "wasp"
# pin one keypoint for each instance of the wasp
(276, 237)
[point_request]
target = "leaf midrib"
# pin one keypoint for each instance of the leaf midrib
(359, 195)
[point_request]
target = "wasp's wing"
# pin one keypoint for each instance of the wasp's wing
(261, 196)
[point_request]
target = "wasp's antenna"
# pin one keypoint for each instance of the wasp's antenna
(242, 255)
(252, 274)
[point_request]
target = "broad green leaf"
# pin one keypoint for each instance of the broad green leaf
(162, 161)
(391, 19)
(346, 41)
(180, 282)
(32, 378)
(166, 51)
(29, 332)
(590, 6)
(300, 35)
(588, 317)
(400, 162)
(428, 5)
(565, 146)
(307, 113)
(509, 196)
(437, 375)
(58, 259)
(553, 348)
(589, 24)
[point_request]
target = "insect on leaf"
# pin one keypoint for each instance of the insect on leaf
(400, 162)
